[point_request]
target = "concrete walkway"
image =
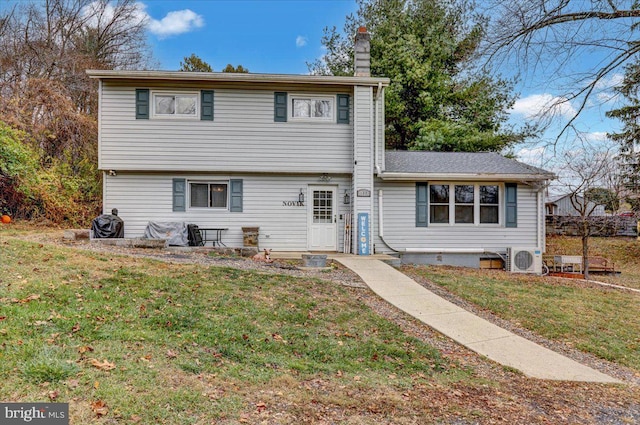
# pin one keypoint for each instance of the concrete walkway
(466, 328)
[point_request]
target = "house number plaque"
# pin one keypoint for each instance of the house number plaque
(364, 193)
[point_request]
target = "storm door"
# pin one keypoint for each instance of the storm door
(322, 234)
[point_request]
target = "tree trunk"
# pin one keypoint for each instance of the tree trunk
(585, 249)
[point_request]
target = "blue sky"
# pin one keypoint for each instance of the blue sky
(264, 36)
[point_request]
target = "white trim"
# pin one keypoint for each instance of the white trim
(207, 182)
(237, 77)
(174, 93)
(479, 177)
(476, 204)
(335, 209)
(308, 96)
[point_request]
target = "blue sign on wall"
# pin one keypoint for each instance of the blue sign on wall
(363, 234)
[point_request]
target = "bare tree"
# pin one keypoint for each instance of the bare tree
(45, 48)
(552, 36)
(587, 171)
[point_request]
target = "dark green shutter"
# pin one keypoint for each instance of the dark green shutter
(142, 104)
(511, 204)
(236, 195)
(422, 204)
(179, 194)
(206, 105)
(343, 109)
(280, 107)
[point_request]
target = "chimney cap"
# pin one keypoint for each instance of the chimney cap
(362, 29)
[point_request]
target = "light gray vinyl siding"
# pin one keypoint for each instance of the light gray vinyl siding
(363, 156)
(243, 136)
(141, 198)
(400, 231)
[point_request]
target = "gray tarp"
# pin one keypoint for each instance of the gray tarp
(175, 233)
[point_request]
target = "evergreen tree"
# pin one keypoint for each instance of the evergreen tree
(193, 63)
(435, 100)
(628, 138)
(238, 69)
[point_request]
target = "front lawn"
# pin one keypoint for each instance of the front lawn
(593, 319)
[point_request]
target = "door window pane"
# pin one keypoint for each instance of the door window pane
(323, 206)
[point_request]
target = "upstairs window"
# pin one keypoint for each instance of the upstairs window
(312, 108)
(174, 105)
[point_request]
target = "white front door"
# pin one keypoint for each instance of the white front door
(322, 219)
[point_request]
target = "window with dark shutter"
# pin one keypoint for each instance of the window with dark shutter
(179, 195)
(142, 104)
(343, 109)
(206, 105)
(422, 204)
(511, 204)
(280, 107)
(236, 195)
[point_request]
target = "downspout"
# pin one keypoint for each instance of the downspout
(376, 137)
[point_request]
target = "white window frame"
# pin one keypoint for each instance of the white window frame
(476, 204)
(302, 96)
(155, 115)
(209, 183)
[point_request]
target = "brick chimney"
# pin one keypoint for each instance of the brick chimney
(362, 56)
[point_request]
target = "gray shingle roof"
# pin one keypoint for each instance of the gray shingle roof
(414, 162)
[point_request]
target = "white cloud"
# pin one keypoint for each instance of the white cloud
(533, 156)
(597, 136)
(176, 22)
(301, 41)
(536, 105)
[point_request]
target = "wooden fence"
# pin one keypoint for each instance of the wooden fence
(600, 226)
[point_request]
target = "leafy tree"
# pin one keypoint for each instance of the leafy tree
(193, 63)
(426, 48)
(239, 69)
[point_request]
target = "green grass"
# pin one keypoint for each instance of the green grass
(192, 339)
(600, 321)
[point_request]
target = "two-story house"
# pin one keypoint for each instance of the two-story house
(302, 157)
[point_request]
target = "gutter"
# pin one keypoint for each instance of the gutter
(237, 77)
(391, 176)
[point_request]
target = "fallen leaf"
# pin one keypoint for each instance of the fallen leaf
(260, 407)
(85, 349)
(53, 395)
(73, 383)
(172, 354)
(75, 327)
(135, 419)
(100, 408)
(96, 385)
(102, 365)
(3, 317)
(31, 297)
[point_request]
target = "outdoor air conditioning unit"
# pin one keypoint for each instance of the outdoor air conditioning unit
(524, 260)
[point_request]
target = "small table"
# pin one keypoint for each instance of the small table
(572, 262)
(213, 235)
